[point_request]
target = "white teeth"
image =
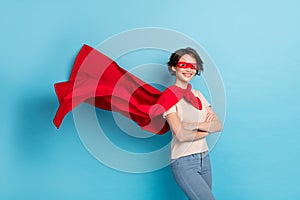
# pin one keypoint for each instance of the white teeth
(188, 75)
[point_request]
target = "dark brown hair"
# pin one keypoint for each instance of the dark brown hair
(174, 58)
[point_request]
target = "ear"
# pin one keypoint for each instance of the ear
(174, 69)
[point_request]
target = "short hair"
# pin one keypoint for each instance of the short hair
(174, 58)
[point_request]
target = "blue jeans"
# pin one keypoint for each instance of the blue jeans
(193, 175)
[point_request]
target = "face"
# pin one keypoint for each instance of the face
(185, 74)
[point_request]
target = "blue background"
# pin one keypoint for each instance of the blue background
(255, 45)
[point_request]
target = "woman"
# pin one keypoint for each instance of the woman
(189, 151)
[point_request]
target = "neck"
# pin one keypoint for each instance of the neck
(182, 85)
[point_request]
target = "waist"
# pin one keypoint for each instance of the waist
(191, 156)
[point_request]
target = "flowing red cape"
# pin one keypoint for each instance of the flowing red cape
(99, 81)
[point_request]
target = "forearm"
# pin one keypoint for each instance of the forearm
(211, 127)
(182, 133)
(185, 135)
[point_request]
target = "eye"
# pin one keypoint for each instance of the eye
(182, 65)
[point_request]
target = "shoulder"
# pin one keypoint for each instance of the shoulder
(173, 109)
(197, 93)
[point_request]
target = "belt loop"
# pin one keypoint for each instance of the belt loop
(201, 160)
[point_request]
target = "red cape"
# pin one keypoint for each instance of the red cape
(98, 80)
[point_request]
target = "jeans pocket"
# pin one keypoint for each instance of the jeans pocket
(187, 161)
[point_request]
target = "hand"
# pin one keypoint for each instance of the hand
(202, 133)
(210, 117)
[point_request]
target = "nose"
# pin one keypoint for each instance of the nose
(188, 69)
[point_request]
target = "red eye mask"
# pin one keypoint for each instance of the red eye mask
(185, 65)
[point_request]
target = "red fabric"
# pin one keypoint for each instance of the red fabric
(99, 81)
(185, 65)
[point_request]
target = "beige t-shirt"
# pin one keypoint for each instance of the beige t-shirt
(188, 113)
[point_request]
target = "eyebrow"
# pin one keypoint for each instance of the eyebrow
(187, 62)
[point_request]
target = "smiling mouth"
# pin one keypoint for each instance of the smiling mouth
(187, 74)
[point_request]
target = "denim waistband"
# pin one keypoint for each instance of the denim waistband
(194, 155)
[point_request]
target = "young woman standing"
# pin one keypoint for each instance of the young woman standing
(189, 151)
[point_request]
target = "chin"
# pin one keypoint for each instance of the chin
(188, 79)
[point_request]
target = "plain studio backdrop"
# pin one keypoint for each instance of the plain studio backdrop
(254, 44)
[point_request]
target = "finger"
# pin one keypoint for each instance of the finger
(211, 117)
(208, 116)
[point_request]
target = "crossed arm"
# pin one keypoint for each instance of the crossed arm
(185, 131)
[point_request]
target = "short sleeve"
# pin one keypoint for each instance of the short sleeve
(202, 98)
(171, 110)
